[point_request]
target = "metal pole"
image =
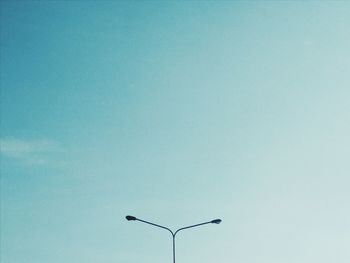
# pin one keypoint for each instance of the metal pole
(173, 248)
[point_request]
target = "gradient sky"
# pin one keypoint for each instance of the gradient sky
(177, 113)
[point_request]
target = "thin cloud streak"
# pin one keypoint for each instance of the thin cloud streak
(32, 152)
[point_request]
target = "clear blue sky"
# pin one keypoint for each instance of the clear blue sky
(178, 113)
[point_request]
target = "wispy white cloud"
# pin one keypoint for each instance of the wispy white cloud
(33, 152)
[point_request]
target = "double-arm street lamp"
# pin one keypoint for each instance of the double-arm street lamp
(132, 218)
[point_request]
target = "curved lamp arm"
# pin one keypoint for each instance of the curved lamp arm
(215, 221)
(132, 218)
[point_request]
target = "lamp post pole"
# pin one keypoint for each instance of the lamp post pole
(132, 218)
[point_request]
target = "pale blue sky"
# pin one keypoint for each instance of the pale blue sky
(178, 113)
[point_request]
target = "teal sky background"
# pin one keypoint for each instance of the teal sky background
(177, 113)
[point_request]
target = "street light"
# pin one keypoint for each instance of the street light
(133, 218)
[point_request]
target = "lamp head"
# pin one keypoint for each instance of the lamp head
(130, 218)
(216, 221)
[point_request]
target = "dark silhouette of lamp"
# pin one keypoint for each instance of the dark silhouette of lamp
(133, 218)
(216, 221)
